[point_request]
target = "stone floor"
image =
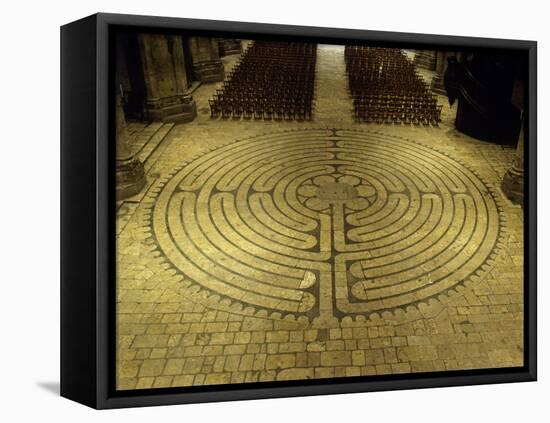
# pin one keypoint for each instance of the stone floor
(265, 251)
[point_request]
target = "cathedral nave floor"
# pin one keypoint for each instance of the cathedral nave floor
(266, 250)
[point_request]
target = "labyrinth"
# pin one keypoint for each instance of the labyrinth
(326, 223)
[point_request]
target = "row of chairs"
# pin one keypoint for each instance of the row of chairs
(372, 109)
(257, 111)
(272, 80)
(386, 88)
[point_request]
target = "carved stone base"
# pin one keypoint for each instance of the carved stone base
(209, 71)
(438, 85)
(513, 183)
(425, 59)
(178, 109)
(229, 46)
(130, 178)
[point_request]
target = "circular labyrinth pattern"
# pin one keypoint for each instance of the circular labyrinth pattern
(326, 223)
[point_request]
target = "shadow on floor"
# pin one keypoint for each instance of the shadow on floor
(51, 387)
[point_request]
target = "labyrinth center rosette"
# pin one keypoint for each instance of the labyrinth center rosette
(326, 223)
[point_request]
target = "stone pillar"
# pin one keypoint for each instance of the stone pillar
(438, 85)
(130, 174)
(165, 79)
(229, 46)
(207, 65)
(514, 180)
(425, 59)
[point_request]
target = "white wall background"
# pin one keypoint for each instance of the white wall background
(29, 234)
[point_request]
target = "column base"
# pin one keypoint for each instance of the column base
(513, 185)
(130, 178)
(229, 46)
(177, 109)
(209, 71)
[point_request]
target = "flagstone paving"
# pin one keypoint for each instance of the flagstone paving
(266, 251)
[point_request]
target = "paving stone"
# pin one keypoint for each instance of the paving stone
(174, 366)
(336, 358)
(218, 378)
(152, 367)
(295, 374)
(280, 361)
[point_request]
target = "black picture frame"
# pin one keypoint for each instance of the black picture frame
(87, 217)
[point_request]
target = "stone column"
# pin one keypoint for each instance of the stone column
(130, 174)
(207, 65)
(165, 79)
(229, 46)
(438, 85)
(514, 180)
(425, 59)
